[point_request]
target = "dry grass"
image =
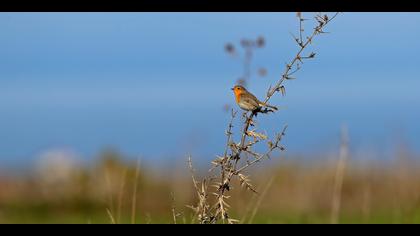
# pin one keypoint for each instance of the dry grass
(134, 197)
(339, 176)
(302, 191)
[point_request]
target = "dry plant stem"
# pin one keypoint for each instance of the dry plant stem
(221, 205)
(110, 216)
(225, 181)
(249, 208)
(243, 139)
(229, 132)
(134, 197)
(110, 194)
(298, 57)
(267, 154)
(228, 142)
(339, 177)
(229, 162)
(174, 215)
(247, 64)
(121, 196)
(254, 212)
(249, 119)
(201, 209)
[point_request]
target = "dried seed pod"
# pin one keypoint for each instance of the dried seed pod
(229, 48)
(260, 42)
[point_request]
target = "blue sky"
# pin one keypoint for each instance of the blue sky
(154, 84)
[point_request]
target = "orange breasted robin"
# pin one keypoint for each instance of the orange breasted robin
(247, 101)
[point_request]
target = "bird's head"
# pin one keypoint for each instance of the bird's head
(238, 89)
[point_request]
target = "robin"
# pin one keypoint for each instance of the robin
(248, 102)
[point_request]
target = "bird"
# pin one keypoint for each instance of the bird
(248, 102)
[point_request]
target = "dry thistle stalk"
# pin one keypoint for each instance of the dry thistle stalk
(231, 164)
(249, 46)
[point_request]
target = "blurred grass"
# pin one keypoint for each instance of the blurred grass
(302, 192)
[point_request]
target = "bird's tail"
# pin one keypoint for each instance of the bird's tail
(269, 106)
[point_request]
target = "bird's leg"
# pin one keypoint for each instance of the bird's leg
(254, 113)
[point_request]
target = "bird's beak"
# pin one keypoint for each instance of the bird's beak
(232, 89)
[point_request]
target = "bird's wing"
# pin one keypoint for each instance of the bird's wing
(254, 98)
(258, 102)
(251, 99)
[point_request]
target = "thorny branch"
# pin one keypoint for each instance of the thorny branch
(228, 163)
(322, 22)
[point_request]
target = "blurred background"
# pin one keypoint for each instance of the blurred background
(88, 98)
